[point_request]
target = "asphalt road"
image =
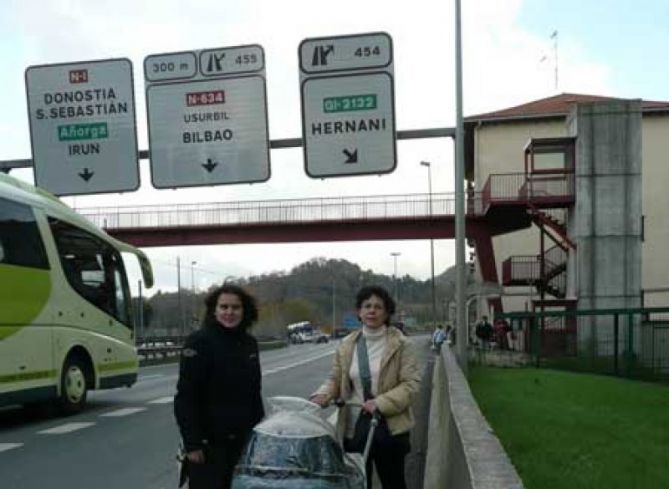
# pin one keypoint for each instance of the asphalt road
(127, 438)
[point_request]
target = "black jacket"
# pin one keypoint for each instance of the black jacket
(218, 392)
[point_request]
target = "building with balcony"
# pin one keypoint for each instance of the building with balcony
(590, 173)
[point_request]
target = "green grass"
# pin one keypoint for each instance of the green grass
(577, 431)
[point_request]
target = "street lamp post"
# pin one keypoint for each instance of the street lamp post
(192, 286)
(434, 293)
(395, 254)
(180, 302)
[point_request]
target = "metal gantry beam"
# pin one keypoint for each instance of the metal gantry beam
(439, 132)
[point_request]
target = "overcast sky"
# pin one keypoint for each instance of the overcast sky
(606, 48)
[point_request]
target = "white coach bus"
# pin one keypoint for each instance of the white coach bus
(66, 324)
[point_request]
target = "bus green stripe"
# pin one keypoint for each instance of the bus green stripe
(29, 289)
(22, 377)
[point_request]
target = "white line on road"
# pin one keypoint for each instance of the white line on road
(296, 364)
(123, 412)
(8, 446)
(65, 428)
(152, 376)
(162, 400)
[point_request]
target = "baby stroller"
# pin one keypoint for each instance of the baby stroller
(295, 448)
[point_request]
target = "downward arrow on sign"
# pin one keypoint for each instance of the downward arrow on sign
(86, 174)
(210, 165)
(351, 157)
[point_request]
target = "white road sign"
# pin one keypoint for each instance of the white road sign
(82, 127)
(346, 53)
(348, 105)
(349, 126)
(207, 117)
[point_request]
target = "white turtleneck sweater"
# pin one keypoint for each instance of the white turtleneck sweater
(376, 340)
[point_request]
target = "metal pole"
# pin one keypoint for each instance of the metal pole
(334, 301)
(193, 302)
(459, 197)
(140, 311)
(180, 302)
(434, 293)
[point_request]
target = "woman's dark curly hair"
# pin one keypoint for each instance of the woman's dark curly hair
(249, 307)
(370, 290)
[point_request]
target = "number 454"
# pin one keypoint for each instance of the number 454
(364, 52)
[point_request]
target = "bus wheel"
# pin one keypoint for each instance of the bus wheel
(73, 389)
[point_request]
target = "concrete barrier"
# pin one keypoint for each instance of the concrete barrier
(463, 452)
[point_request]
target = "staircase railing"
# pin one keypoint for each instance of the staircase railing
(526, 269)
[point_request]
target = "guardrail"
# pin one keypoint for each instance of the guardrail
(167, 348)
(158, 348)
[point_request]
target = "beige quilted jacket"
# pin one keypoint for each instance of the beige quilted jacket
(399, 380)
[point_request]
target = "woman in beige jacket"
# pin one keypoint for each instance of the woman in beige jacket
(394, 382)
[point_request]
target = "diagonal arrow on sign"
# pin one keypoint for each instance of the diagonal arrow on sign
(351, 157)
(209, 165)
(86, 174)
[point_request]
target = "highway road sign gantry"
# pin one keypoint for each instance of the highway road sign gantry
(207, 117)
(82, 126)
(348, 105)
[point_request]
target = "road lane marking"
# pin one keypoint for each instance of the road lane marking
(162, 400)
(297, 364)
(123, 412)
(152, 376)
(8, 446)
(65, 428)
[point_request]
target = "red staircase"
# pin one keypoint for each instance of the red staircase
(526, 270)
(542, 193)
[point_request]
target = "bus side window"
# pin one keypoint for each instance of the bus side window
(20, 238)
(92, 269)
(122, 306)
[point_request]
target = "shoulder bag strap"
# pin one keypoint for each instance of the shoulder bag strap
(363, 367)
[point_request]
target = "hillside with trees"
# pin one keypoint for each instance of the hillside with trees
(320, 290)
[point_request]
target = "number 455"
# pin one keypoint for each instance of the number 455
(364, 52)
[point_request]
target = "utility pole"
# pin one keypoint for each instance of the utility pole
(334, 301)
(395, 254)
(434, 292)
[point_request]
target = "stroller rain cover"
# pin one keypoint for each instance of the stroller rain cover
(295, 448)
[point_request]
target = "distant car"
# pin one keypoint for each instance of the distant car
(322, 338)
(314, 337)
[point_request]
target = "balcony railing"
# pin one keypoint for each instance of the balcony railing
(516, 188)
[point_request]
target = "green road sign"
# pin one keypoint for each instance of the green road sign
(79, 132)
(349, 103)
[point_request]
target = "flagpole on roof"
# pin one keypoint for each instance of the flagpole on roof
(554, 37)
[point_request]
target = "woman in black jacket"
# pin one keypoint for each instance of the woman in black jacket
(218, 397)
